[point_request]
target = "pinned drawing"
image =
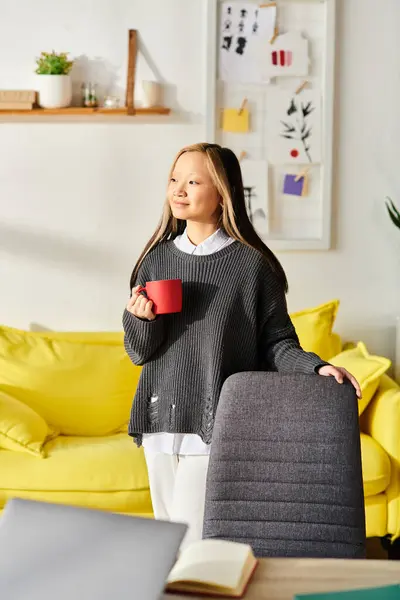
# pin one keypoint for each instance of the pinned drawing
(244, 26)
(255, 182)
(294, 127)
(287, 56)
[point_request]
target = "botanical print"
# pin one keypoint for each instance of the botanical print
(298, 127)
(294, 127)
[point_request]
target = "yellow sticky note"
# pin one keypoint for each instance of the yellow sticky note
(234, 122)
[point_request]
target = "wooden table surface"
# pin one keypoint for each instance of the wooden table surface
(283, 578)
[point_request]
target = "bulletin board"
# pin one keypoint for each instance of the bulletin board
(270, 98)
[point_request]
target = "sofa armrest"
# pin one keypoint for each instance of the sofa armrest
(381, 421)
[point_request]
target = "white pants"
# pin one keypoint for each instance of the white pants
(177, 488)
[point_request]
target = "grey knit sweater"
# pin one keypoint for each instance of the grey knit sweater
(234, 319)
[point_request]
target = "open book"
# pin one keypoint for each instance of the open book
(213, 567)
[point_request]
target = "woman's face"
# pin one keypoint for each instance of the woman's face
(191, 192)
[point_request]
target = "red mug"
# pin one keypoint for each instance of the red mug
(166, 295)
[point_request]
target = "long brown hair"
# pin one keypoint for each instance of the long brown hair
(226, 174)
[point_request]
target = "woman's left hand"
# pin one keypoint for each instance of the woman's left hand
(340, 374)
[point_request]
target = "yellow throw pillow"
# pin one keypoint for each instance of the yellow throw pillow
(366, 368)
(81, 385)
(314, 328)
(336, 345)
(21, 428)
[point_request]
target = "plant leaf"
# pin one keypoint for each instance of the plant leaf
(393, 207)
(53, 63)
(292, 108)
(288, 137)
(395, 219)
(306, 135)
(307, 109)
(289, 128)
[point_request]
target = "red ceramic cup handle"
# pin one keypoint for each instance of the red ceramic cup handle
(141, 289)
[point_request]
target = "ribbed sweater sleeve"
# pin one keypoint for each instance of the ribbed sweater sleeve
(280, 343)
(142, 338)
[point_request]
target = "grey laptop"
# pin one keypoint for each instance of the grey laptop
(56, 552)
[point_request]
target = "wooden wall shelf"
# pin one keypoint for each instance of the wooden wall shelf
(88, 112)
(127, 111)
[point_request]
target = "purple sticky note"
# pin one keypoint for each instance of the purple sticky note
(293, 187)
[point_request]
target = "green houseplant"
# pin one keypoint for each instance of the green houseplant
(54, 80)
(394, 214)
(51, 63)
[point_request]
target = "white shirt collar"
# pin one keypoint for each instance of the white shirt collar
(218, 240)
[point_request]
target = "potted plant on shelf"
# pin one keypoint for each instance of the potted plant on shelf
(54, 81)
(394, 214)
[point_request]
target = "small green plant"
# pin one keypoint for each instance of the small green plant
(394, 214)
(53, 63)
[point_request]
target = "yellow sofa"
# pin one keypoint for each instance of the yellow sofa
(70, 445)
(380, 425)
(73, 446)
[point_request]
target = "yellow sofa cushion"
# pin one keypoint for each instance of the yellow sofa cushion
(365, 367)
(336, 345)
(21, 428)
(81, 387)
(375, 465)
(381, 420)
(93, 337)
(74, 463)
(376, 515)
(314, 328)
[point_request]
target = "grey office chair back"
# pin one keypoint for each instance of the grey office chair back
(285, 467)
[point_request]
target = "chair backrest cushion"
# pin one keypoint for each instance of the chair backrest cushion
(285, 467)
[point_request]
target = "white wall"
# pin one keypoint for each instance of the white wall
(364, 268)
(78, 201)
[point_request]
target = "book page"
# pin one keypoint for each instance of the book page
(212, 561)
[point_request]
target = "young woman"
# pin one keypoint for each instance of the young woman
(234, 319)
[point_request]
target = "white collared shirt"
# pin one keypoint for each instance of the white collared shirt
(216, 242)
(187, 443)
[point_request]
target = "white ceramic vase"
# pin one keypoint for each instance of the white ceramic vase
(152, 91)
(54, 91)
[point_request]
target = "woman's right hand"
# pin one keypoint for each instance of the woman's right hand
(140, 306)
